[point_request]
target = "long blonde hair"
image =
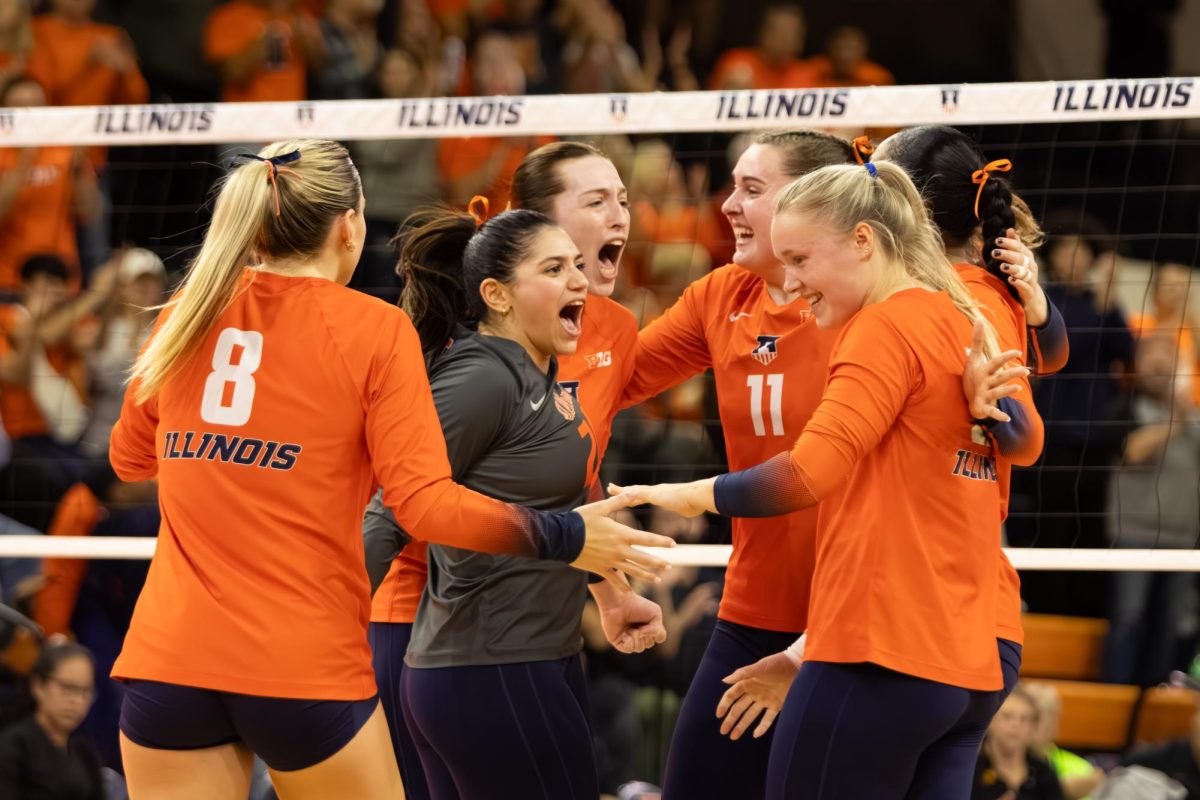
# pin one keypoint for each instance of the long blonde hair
(256, 217)
(884, 197)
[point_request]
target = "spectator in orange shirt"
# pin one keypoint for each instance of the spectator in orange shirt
(16, 36)
(44, 192)
(263, 49)
(775, 63)
(845, 63)
(81, 62)
(484, 165)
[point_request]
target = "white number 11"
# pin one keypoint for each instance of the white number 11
(775, 389)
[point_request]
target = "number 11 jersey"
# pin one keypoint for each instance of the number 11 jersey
(770, 362)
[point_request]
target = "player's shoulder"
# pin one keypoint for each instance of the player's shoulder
(490, 363)
(725, 285)
(613, 319)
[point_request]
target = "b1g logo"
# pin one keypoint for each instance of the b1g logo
(601, 359)
(8, 122)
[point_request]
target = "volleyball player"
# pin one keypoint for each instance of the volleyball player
(579, 188)
(977, 214)
(268, 402)
(769, 360)
(901, 664)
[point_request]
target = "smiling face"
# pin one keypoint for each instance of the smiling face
(593, 208)
(831, 270)
(757, 178)
(544, 298)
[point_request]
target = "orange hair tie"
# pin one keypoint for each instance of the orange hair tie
(273, 171)
(480, 217)
(980, 177)
(863, 149)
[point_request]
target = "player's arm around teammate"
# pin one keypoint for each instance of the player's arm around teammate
(268, 402)
(891, 439)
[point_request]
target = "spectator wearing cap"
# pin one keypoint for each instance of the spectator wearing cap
(125, 325)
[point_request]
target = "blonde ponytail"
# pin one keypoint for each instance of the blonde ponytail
(886, 199)
(262, 211)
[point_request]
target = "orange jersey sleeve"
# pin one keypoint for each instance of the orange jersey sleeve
(268, 441)
(907, 550)
(77, 514)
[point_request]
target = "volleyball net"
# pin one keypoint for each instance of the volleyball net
(1112, 167)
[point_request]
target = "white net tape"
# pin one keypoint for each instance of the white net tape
(565, 115)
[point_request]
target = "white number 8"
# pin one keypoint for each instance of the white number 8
(212, 406)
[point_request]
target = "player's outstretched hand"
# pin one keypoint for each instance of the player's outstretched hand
(610, 546)
(685, 499)
(757, 689)
(985, 380)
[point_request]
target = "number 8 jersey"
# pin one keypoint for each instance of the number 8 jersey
(770, 362)
(267, 442)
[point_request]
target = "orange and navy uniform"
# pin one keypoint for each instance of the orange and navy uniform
(596, 374)
(78, 513)
(42, 216)
(267, 442)
(908, 547)
(770, 363)
(1018, 442)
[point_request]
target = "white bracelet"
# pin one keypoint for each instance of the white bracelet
(795, 651)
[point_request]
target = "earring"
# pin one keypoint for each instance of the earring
(349, 244)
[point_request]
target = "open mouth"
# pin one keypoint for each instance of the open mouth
(742, 235)
(609, 257)
(813, 299)
(572, 317)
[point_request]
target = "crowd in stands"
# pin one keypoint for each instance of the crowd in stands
(81, 275)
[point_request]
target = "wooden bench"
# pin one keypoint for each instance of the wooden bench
(1095, 716)
(1166, 713)
(1062, 647)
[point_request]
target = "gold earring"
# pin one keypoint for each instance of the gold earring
(349, 244)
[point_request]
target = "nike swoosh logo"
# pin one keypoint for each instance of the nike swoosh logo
(738, 315)
(538, 404)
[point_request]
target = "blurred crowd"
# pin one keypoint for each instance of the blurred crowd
(92, 240)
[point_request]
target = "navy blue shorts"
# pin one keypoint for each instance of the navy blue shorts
(287, 733)
(862, 731)
(503, 731)
(702, 763)
(389, 643)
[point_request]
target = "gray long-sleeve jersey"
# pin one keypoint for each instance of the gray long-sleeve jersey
(511, 433)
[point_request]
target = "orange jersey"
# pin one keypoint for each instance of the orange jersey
(77, 515)
(734, 65)
(267, 443)
(63, 62)
(458, 158)
(908, 547)
(42, 217)
(20, 410)
(235, 26)
(602, 364)
(866, 73)
(1008, 317)
(596, 374)
(770, 363)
